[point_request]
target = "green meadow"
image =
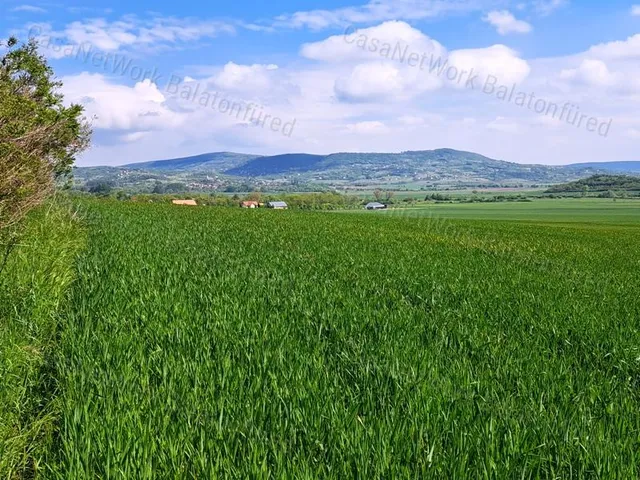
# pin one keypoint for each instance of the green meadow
(458, 341)
(592, 211)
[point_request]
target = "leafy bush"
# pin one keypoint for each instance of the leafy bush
(39, 136)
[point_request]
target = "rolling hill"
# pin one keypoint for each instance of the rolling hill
(612, 167)
(219, 161)
(427, 168)
(429, 165)
(599, 183)
(278, 165)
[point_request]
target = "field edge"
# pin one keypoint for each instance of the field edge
(34, 288)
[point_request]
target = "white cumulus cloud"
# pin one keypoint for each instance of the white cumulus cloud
(383, 81)
(499, 62)
(388, 40)
(591, 72)
(245, 77)
(506, 23)
(622, 49)
(120, 107)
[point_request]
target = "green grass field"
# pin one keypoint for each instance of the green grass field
(569, 210)
(33, 288)
(227, 343)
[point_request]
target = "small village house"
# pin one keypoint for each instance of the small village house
(278, 205)
(184, 202)
(249, 204)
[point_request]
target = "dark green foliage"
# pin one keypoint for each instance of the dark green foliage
(599, 183)
(98, 187)
(175, 187)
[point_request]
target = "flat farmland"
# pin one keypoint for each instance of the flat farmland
(586, 211)
(227, 343)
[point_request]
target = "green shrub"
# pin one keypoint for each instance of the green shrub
(39, 136)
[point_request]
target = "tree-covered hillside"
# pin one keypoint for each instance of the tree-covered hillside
(225, 171)
(599, 183)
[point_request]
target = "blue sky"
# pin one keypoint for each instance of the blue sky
(314, 75)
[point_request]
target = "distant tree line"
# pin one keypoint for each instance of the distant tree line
(599, 183)
(300, 201)
(475, 198)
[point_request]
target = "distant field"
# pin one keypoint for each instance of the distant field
(592, 211)
(210, 342)
(420, 194)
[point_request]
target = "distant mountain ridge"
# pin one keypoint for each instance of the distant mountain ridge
(430, 164)
(438, 167)
(247, 165)
(613, 167)
(213, 161)
(277, 164)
